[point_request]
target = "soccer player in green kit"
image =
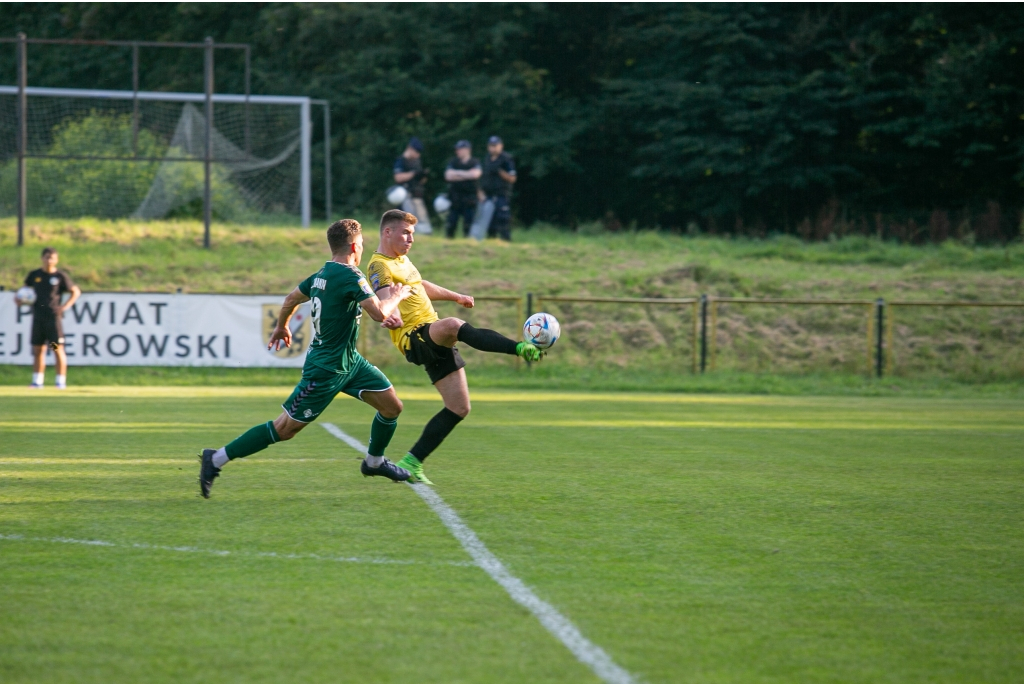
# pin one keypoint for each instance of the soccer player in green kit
(338, 295)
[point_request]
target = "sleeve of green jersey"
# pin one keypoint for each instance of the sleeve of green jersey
(306, 286)
(356, 285)
(362, 289)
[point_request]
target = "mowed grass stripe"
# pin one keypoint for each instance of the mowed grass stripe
(689, 553)
(308, 620)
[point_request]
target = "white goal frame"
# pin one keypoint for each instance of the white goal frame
(305, 122)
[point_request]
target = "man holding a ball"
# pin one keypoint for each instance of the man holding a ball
(48, 285)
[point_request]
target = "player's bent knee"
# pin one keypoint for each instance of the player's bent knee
(287, 427)
(392, 409)
(452, 324)
(461, 409)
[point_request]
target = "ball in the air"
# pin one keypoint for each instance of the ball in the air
(542, 330)
(25, 295)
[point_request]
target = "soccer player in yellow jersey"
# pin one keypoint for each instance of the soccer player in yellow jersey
(428, 341)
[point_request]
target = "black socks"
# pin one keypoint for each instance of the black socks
(437, 429)
(486, 340)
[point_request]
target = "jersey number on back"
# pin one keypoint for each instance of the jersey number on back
(316, 308)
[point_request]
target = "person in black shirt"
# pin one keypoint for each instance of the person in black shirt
(462, 173)
(409, 173)
(47, 312)
(499, 173)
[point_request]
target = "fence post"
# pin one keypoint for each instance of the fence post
(22, 133)
(327, 160)
(248, 92)
(703, 332)
(879, 336)
(135, 99)
(696, 336)
(713, 335)
(208, 156)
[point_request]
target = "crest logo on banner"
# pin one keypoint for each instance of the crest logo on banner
(299, 326)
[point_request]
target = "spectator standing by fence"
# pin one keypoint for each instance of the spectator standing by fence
(47, 314)
(462, 173)
(499, 173)
(409, 173)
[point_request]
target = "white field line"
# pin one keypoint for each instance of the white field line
(224, 553)
(344, 437)
(558, 625)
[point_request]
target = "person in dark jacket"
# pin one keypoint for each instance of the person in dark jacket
(499, 174)
(409, 173)
(462, 173)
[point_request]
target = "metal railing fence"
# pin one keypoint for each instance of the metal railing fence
(879, 319)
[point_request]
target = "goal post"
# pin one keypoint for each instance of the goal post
(53, 110)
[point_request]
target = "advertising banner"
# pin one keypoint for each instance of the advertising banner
(153, 329)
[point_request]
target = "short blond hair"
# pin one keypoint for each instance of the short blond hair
(396, 217)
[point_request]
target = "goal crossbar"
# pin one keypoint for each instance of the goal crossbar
(158, 96)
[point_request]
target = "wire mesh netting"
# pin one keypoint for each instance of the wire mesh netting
(103, 158)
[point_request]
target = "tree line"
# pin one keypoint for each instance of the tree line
(904, 121)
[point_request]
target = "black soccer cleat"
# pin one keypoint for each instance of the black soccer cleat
(386, 469)
(207, 472)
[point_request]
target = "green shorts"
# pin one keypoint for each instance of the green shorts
(319, 386)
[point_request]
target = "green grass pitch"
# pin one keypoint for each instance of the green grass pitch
(692, 538)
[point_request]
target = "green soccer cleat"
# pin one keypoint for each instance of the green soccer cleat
(415, 468)
(529, 351)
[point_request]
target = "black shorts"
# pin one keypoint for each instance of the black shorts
(438, 360)
(46, 327)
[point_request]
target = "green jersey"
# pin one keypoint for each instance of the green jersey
(335, 292)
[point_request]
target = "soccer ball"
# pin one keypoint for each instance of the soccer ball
(397, 195)
(442, 204)
(25, 295)
(542, 330)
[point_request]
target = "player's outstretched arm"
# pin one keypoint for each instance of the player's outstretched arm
(380, 308)
(436, 292)
(282, 335)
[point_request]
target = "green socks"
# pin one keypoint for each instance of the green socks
(255, 439)
(381, 431)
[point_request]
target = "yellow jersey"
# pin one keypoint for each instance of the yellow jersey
(416, 309)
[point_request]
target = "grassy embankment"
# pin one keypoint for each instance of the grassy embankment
(781, 349)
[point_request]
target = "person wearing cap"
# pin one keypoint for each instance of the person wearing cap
(409, 173)
(499, 173)
(462, 173)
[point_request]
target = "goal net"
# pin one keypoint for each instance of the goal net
(117, 154)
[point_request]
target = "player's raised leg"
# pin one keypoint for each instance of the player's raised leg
(452, 330)
(454, 390)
